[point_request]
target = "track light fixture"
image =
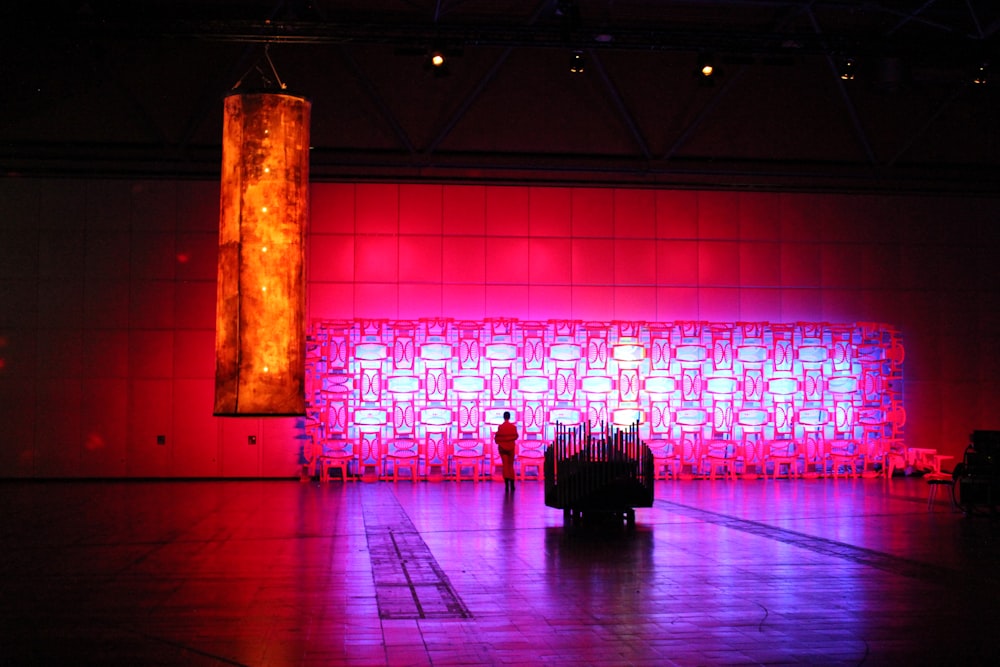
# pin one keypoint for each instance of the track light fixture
(981, 74)
(847, 69)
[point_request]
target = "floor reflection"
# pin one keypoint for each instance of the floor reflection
(289, 573)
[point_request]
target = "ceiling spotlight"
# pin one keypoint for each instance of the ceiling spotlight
(708, 70)
(436, 61)
(706, 66)
(981, 74)
(577, 62)
(847, 69)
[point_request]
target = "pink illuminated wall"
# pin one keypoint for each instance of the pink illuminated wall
(814, 382)
(107, 301)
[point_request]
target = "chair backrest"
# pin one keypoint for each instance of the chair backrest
(720, 448)
(468, 447)
(690, 445)
(369, 448)
(874, 445)
(782, 447)
(337, 446)
(752, 423)
(662, 447)
(531, 448)
(437, 448)
(813, 444)
(404, 447)
(842, 446)
(313, 444)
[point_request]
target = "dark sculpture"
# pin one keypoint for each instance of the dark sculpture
(607, 473)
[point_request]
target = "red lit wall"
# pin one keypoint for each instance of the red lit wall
(107, 296)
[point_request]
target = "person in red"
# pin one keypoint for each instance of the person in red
(506, 439)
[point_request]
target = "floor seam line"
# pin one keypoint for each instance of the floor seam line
(825, 546)
(387, 526)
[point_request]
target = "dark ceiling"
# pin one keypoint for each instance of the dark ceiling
(134, 88)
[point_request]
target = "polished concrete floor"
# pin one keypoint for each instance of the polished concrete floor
(287, 573)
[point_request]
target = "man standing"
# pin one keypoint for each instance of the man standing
(506, 439)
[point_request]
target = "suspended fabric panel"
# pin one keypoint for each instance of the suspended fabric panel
(264, 208)
(814, 381)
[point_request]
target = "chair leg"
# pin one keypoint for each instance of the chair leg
(933, 490)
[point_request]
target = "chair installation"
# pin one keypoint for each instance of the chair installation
(753, 446)
(370, 459)
(873, 452)
(337, 455)
(666, 457)
(468, 454)
(720, 454)
(437, 456)
(333, 450)
(844, 455)
(404, 455)
(531, 458)
(688, 452)
(782, 453)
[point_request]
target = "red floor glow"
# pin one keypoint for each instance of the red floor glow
(286, 573)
